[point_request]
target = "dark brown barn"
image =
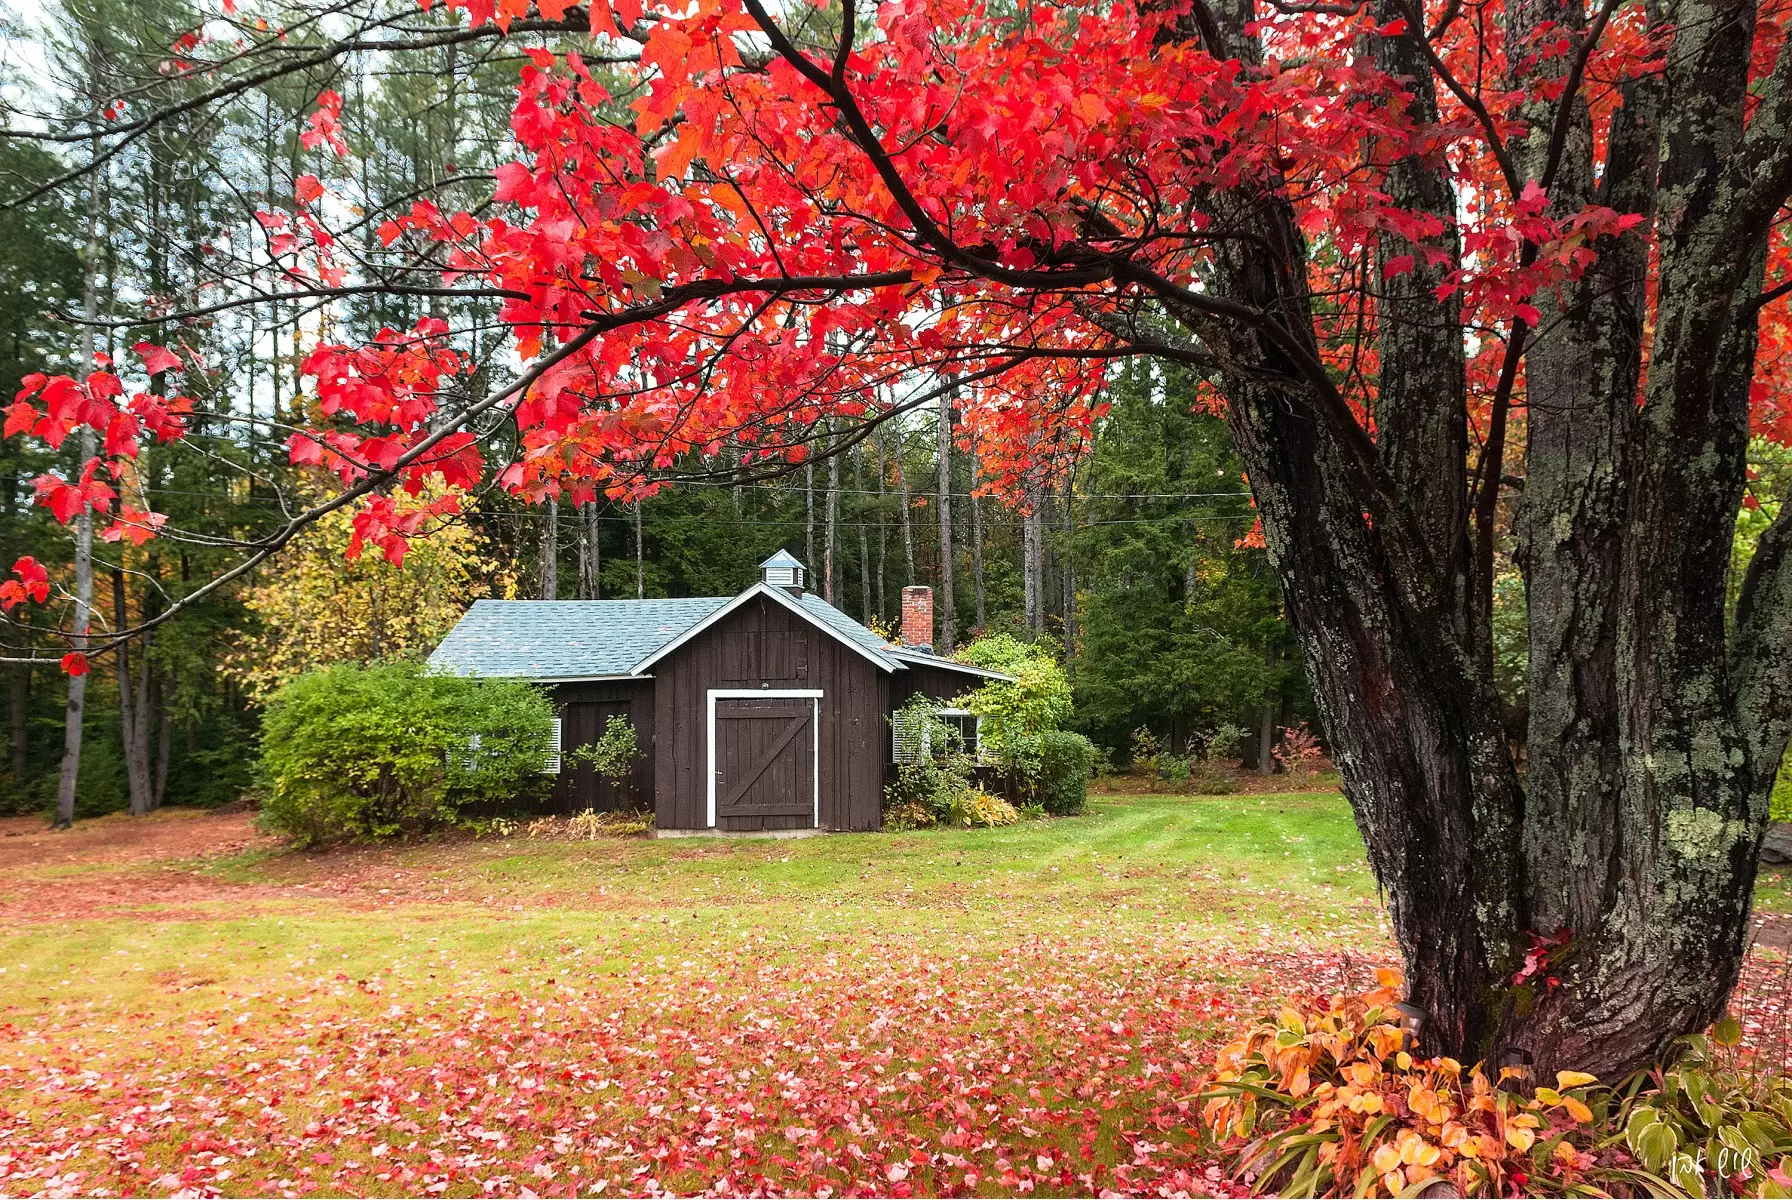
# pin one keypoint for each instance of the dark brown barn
(766, 711)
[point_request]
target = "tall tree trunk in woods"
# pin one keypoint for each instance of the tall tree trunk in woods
(75, 715)
(1266, 725)
(947, 607)
(640, 558)
(1067, 568)
(908, 515)
(977, 544)
(133, 708)
(1627, 852)
(830, 540)
(1033, 561)
(18, 694)
(858, 487)
(809, 518)
(164, 738)
(19, 697)
(590, 555)
(883, 524)
(549, 576)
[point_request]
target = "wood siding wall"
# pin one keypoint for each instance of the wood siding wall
(764, 643)
(938, 683)
(585, 710)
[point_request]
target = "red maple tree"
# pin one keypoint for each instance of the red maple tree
(1438, 263)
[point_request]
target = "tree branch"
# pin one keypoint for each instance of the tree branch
(1558, 134)
(1761, 168)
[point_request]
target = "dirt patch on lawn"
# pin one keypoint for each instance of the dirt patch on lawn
(166, 867)
(117, 863)
(171, 835)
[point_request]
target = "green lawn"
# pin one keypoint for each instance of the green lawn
(188, 1006)
(1187, 869)
(965, 1011)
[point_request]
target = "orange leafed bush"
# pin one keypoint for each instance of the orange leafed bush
(1328, 1101)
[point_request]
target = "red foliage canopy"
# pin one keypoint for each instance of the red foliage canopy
(785, 226)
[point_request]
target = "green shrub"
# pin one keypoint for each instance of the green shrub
(388, 750)
(932, 782)
(1036, 699)
(613, 756)
(1221, 745)
(909, 815)
(1054, 768)
(1144, 751)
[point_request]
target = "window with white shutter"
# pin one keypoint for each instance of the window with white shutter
(908, 736)
(912, 733)
(550, 765)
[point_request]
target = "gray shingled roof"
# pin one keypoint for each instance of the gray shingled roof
(585, 639)
(565, 639)
(834, 617)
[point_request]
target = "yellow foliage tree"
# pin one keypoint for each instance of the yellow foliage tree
(315, 608)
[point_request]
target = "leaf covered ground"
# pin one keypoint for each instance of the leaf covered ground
(187, 1007)
(190, 1008)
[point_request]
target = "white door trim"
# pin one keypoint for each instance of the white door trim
(812, 694)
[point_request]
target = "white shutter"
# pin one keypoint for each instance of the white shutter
(908, 737)
(550, 765)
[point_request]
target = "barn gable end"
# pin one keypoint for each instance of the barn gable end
(763, 646)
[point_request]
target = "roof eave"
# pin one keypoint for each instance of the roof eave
(947, 664)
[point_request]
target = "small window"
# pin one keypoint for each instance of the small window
(550, 764)
(910, 738)
(965, 723)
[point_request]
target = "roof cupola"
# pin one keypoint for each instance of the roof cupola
(783, 570)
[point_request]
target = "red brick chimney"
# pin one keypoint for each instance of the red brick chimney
(917, 617)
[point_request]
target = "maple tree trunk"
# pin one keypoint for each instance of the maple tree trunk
(640, 558)
(883, 527)
(75, 713)
(858, 487)
(1067, 570)
(164, 737)
(1266, 727)
(908, 515)
(1589, 914)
